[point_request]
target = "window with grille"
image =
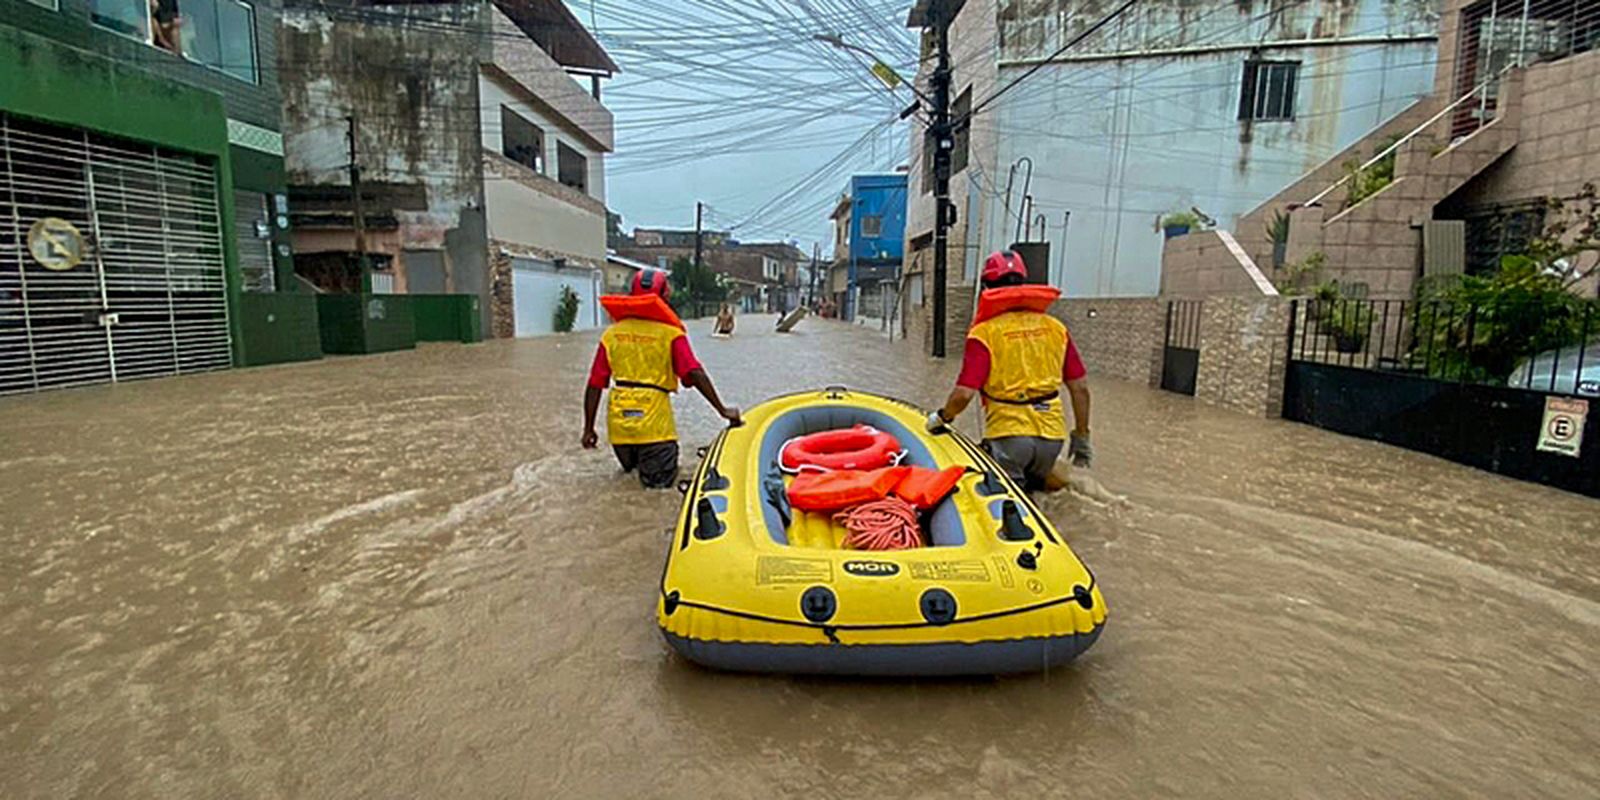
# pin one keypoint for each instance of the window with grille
(871, 226)
(252, 222)
(1267, 90)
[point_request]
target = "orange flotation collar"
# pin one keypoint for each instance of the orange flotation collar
(1028, 297)
(640, 306)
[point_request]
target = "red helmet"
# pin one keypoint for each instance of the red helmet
(1002, 263)
(652, 281)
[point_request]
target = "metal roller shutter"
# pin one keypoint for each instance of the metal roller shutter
(149, 297)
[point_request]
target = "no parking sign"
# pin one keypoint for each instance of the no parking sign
(1562, 431)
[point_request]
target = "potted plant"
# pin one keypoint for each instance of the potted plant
(1178, 223)
(1350, 324)
(1278, 233)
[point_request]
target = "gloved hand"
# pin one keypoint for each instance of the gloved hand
(1081, 451)
(936, 421)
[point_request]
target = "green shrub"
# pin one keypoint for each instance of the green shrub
(566, 310)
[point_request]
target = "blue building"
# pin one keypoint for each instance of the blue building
(869, 244)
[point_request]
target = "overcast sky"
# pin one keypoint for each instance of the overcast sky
(733, 103)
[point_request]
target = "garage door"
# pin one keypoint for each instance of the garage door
(111, 261)
(536, 291)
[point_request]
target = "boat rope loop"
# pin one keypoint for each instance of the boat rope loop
(887, 524)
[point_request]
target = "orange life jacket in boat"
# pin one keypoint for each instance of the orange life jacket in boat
(1029, 297)
(830, 491)
(925, 488)
(640, 306)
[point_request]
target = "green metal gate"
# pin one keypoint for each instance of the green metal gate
(147, 298)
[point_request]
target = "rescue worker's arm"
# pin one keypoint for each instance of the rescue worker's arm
(1075, 376)
(693, 374)
(698, 378)
(599, 378)
(974, 372)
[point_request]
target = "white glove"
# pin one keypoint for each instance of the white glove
(937, 422)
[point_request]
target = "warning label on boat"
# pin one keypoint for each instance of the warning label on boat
(782, 569)
(949, 571)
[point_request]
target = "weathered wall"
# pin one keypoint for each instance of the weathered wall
(510, 51)
(1118, 138)
(412, 84)
(1201, 264)
(974, 40)
(1117, 337)
(534, 211)
(498, 88)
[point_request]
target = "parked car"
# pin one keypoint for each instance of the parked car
(1557, 371)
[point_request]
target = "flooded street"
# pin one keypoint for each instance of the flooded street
(399, 576)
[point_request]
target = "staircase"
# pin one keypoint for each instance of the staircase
(1377, 241)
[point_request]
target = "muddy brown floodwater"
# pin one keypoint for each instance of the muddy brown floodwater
(398, 576)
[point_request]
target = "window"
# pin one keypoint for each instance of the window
(127, 17)
(871, 226)
(572, 167)
(521, 140)
(219, 34)
(1268, 90)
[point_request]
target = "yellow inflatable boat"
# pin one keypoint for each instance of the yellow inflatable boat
(751, 584)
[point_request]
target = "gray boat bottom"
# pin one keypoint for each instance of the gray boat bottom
(935, 659)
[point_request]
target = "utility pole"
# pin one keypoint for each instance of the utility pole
(936, 16)
(360, 216)
(698, 209)
(816, 253)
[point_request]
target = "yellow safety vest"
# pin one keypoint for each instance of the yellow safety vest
(1022, 396)
(639, 406)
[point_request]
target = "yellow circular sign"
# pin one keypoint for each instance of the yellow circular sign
(55, 244)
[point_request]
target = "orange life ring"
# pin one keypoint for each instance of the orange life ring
(857, 447)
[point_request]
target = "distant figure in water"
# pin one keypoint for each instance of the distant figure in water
(724, 321)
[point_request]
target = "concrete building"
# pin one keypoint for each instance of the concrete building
(761, 276)
(1507, 126)
(869, 245)
(483, 159)
(1214, 106)
(143, 194)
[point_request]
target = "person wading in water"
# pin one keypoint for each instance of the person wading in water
(1017, 357)
(642, 357)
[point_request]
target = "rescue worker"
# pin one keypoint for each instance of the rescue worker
(642, 356)
(1017, 356)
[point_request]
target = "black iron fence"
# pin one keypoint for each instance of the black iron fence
(1466, 382)
(1525, 345)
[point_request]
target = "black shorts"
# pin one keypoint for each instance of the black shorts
(656, 462)
(1027, 459)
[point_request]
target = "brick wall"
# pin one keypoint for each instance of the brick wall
(1117, 337)
(1243, 354)
(1200, 264)
(1558, 144)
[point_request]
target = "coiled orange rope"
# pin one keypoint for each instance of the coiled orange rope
(887, 524)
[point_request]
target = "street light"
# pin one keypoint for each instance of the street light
(880, 69)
